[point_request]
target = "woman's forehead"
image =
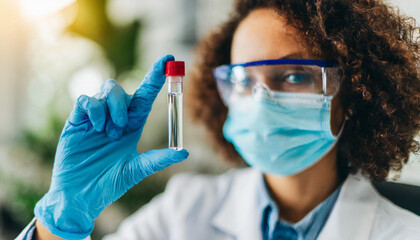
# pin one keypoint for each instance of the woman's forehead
(262, 35)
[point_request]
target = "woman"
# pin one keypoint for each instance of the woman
(317, 97)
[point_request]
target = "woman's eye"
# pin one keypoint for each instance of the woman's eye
(297, 78)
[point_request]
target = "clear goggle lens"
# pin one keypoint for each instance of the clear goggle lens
(234, 81)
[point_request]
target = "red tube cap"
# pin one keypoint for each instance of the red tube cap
(175, 68)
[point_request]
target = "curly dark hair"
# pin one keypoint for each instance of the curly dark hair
(377, 49)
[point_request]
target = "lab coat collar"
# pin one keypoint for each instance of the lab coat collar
(238, 216)
(352, 216)
(354, 212)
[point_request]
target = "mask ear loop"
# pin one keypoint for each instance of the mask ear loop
(324, 91)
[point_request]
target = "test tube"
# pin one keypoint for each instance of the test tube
(175, 72)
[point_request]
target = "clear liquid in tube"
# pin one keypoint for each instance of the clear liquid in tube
(175, 116)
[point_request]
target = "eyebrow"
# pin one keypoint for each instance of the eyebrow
(291, 56)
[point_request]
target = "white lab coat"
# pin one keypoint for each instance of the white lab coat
(199, 207)
(224, 207)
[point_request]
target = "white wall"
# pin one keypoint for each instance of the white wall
(408, 7)
(411, 172)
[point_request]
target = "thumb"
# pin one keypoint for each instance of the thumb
(152, 161)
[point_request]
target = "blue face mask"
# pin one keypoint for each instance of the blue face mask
(282, 134)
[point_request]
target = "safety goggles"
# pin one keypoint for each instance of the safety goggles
(278, 75)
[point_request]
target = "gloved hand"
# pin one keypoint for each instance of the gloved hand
(97, 161)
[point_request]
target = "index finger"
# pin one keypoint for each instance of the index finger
(145, 95)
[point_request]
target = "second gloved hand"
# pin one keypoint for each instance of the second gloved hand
(97, 160)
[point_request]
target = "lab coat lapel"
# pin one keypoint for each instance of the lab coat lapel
(237, 217)
(353, 214)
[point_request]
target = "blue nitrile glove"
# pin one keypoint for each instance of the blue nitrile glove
(97, 160)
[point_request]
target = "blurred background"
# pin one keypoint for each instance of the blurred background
(51, 51)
